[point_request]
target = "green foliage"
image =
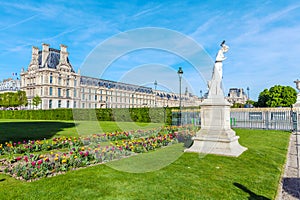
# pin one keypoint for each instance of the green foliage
(237, 105)
(155, 115)
(277, 96)
(11, 99)
(36, 101)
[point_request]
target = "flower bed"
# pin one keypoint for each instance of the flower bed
(30, 166)
(66, 142)
(82, 152)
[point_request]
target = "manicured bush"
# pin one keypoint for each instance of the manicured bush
(156, 115)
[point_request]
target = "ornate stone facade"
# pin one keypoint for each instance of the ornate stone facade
(10, 85)
(51, 76)
(237, 95)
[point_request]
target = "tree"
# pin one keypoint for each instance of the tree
(11, 99)
(22, 98)
(277, 96)
(36, 101)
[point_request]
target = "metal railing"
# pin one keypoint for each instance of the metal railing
(252, 118)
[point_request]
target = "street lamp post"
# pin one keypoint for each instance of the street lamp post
(180, 72)
(155, 85)
(248, 92)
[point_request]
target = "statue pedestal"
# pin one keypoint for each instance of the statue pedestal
(215, 135)
(297, 104)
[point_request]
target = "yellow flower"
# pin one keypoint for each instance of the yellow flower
(64, 161)
(41, 156)
(51, 152)
(56, 158)
(82, 148)
(75, 156)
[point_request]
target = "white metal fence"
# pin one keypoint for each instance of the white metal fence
(252, 118)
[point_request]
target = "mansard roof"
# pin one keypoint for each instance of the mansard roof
(52, 59)
(85, 80)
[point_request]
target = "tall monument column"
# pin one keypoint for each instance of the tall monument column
(216, 135)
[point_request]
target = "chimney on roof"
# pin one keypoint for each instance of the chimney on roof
(34, 56)
(45, 53)
(63, 54)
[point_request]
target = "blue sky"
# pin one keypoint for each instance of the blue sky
(263, 37)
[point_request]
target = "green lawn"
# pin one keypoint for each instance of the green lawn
(253, 175)
(19, 130)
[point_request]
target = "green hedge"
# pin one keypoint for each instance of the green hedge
(156, 115)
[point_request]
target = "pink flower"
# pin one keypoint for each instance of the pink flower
(26, 158)
(18, 158)
(33, 163)
(40, 162)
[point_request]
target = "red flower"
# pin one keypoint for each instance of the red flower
(33, 163)
(40, 162)
(26, 159)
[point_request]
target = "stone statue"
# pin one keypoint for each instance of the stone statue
(215, 85)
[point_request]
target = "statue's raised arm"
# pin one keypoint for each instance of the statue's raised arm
(220, 56)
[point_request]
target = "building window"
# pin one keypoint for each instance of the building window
(68, 93)
(100, 98)
(82, 96)
(75, 94)
(90, 97)
(41, 91)
(75, 83)
(59, 92)
(51, 78)
(50, 91)
(50, 104)
(82, 105)
(89, 105)
(59, 104)
(68, 80)
(68, 104)
(74, 104)
(95, 105)
(95, 97)
(59, 80)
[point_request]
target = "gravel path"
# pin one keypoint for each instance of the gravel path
(289, 188)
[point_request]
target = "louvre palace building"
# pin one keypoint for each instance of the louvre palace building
(51, 76)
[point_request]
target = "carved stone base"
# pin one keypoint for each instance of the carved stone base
(216, 135)
(226, 146)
